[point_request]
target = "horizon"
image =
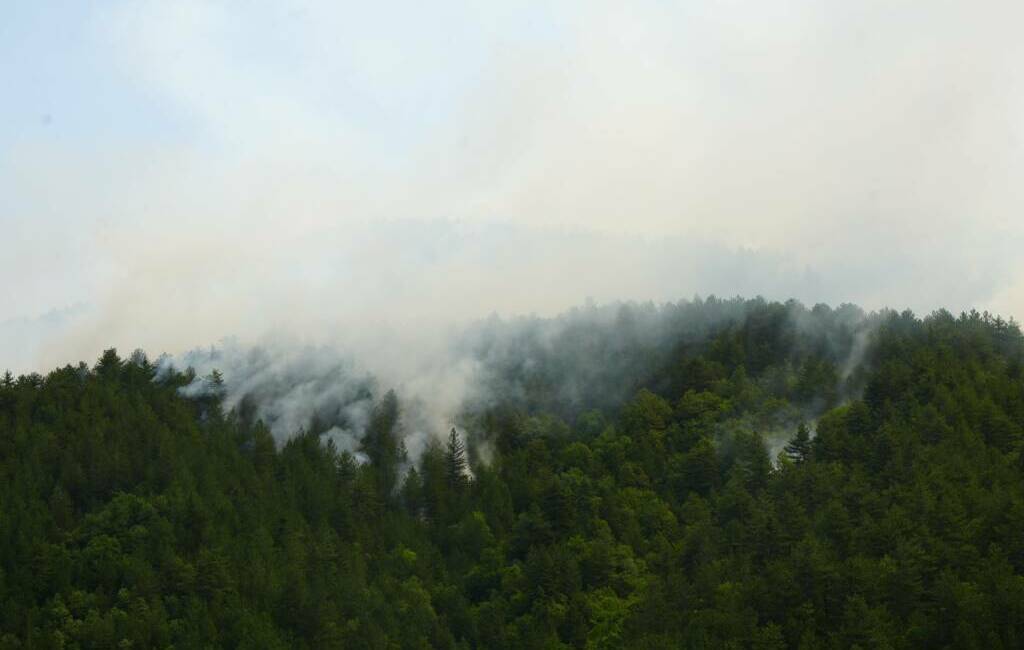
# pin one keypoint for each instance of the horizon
(171, 175)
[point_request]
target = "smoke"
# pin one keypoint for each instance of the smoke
(24, 341)
(288, 387)
(294, 388)
(341, 187)
(224, 170)
(592, 357)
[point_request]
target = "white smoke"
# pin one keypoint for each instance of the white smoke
(286, 386)
(330, 167)
(591, 357)
(292, 388)
(338, 173)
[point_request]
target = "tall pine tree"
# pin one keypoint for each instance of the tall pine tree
(799, 448)
(455, 461)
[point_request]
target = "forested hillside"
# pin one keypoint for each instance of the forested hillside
(711, 474)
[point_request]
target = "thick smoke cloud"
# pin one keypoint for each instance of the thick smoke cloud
(371, 178)
(288, 388)
(592, 358)
(294, 388)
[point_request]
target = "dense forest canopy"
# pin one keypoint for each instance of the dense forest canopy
(706, 474)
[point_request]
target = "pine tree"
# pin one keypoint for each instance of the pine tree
(455, 461)
(412, 493)
(109, 365)
(799, 448)
(383, 444)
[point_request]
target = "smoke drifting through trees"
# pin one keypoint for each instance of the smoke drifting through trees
(289, 389)
(589, 359)
(132, 512)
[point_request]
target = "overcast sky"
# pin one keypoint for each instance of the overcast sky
(175, 172)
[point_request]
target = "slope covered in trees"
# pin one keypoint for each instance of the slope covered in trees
(711, 474)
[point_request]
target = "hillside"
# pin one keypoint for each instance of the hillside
(707, 474)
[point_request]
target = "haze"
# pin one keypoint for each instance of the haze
(175, 173)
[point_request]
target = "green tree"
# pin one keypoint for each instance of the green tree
(383, 445)
(798, 449)
(455, 461)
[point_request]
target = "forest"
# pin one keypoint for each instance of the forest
(713, 473)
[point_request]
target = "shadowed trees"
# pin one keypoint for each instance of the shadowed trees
(135, 514)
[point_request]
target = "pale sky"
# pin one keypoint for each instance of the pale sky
(176, 172)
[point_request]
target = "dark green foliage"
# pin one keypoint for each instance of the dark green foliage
(455, 461)
(799, 448)
(131, 516)
(383, 445)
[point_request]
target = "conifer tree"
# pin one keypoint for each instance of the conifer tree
(799, 448)
(383, 444)
(455, 461)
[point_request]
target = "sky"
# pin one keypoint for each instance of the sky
(369, 174)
